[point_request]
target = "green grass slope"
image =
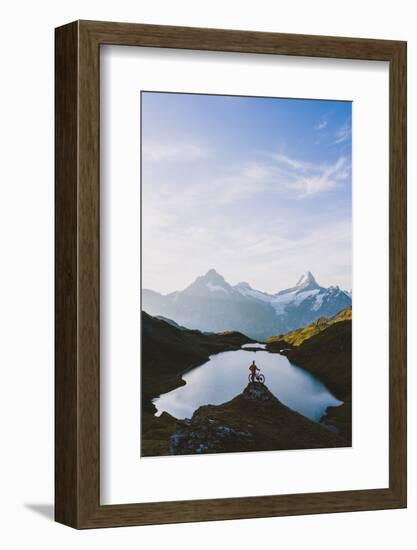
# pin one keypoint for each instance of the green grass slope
(328, 355)
(297, 337)
(324, 348)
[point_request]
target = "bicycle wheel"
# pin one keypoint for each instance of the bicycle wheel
(261, 378)
(250, 378)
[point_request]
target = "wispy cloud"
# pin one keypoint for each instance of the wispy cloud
(295, 164)
(321, 125)
(214, 195)
(270, 174)
(325, 180)
(307, 178)
(256, 171)
(173, 152)
(281, 246)
(343, 133)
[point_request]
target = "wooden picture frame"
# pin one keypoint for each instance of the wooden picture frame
(77, 405)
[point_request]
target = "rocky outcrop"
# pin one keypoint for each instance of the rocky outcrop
(255, 420)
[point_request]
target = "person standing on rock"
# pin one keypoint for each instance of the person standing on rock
(253, 368)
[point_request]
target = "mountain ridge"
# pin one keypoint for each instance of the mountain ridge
(298, 336)
(211, 304)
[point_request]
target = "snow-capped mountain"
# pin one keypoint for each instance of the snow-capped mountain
(212, 304)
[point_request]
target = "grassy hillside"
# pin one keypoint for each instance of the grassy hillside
(167, 352)
(297, 337)
(328, 355)
(325, 349)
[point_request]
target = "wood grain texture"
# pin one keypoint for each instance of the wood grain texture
(398, 272)
(78, 285)
(66, 237)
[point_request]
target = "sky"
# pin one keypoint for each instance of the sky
(257, 188)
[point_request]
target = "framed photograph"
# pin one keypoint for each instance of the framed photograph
(230, 274)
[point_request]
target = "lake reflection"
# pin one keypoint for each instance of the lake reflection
(225, 375)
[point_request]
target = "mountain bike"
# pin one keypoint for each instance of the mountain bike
(258, 378)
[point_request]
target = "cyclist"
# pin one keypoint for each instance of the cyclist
(253, 368)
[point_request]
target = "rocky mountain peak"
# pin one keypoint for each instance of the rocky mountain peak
(213, 277)
(207, 283)
(244, 285)
(258, 391)
(211, 304)
(307, 280)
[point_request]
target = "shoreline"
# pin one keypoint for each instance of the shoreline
(166, 350)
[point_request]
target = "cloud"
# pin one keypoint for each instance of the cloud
(326, 180)
(221, 186)
(321, 124)
(343, 133)
(178, 195)
(278, 174)
(307, 178)
(271, 254)
(192, 223)
(211, 198)
(256, 171)
(173, 152)
(295, 164)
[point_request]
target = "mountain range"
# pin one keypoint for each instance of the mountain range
(211, 304)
